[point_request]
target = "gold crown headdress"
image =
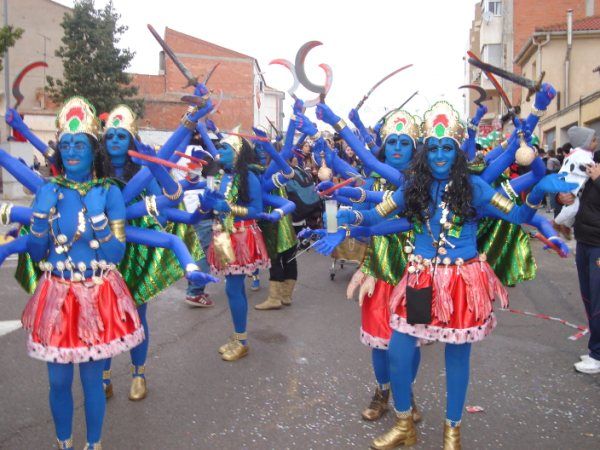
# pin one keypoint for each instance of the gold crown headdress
(442, 120)
(77, 115)
(400, 122)
(234, 141)
(122, 116)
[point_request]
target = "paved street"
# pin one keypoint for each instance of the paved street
(307, 376)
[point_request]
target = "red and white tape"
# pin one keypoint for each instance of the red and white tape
(582, 330)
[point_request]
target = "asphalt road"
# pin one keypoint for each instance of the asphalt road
(307, 376)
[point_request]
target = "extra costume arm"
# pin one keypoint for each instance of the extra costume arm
(113, 249)
(370, 161)
(10, 213)
(210, 147)
(18, 245)
(543, 98)
(368, 138)
(14, 120)
(21, 172)
(161, 239)
(277, 162)
(468, 145)
(524, 182)
(282, 207)
(499, 165)
(160, 174)
(392, 205)
(389, 226)
(45, 199)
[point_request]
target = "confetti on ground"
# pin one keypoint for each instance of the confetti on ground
(474, 409)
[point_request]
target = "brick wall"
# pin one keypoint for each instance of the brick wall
(234, 77)
(529, 14)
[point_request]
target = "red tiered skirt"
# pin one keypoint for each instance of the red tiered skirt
(75, 322)
(462, 301)
(249, 250)
(375, 330)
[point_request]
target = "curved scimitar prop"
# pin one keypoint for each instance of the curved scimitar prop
(288, 65)
(301, 72)
(328, 80)
(482, 94)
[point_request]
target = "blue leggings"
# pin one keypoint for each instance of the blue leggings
(401, 354)
(60, 377)
(381, 365)
(238, 303)
(139, 353)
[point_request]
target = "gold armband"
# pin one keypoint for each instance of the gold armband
(340, 125)
(289, 176)
(278, 184)
(280, 212)
(239, 211)
(501, 203)
(117, 227)
(186, 122)
(386, 207)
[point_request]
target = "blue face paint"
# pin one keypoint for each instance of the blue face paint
(117, 141)
(77, 156)
(441, 155)
(262, 156)
(398, 151)
(226, 155)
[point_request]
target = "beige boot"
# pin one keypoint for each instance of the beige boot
(273, 301)
(287, 288)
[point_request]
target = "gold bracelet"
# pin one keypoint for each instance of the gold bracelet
(186, 122)
(106, 238)
(358, 217)
(117, 227)
(386, 207)
(504, 144)
(501, 203)
(239, 211)
(38, 234)
(362, 198)
(280, 212)
(508, 189)
(538, 112)
(200, 210)
(5, 211)
(340, 125)
(275, 180)
(538, 206)
(289, 176)
(316, 136)
(101, 227)
(151, 207)
(49, 153)
(472, 126)
(191, 267)
(371, 145)
(345, 228)
(174, 196)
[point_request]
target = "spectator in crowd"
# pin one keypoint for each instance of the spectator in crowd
(587, 235)
(552, 166)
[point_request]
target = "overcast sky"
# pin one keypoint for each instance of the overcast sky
(362, 42)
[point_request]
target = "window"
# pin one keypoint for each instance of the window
(492, 54)
(494, 7)
(550, 139)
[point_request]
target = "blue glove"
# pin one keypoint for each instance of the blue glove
(325, 114)
(544, 96)
(481, 110)
(197, 277)
(327, 244)
(304, 125)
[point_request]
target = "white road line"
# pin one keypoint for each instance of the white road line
(7, 326)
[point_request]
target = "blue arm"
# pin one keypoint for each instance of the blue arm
(112, 250)
(499, 165)
(14, 120)
(18, 245)
(210, 147)
(21, 172)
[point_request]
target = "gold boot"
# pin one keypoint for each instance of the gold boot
(402, 433)
(451, 436)
(96, 446)
(236, 349)
(416, 414)
(67, 444)
(378, 406)
(273, 301)
(223, 348)
(108, 387)
(138, 390)
(287, 288)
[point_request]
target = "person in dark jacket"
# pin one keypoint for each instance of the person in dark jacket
(587, 235)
